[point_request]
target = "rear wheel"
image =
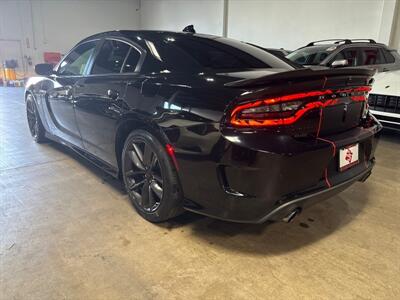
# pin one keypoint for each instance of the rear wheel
(35, 124)
(150, 178)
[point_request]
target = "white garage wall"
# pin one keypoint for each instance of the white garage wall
(175, 15)
(80, 19)
(275, 23)
(290, 24)
(60, 24)
(31, 27)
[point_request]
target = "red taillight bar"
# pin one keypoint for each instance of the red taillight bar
(235, 119)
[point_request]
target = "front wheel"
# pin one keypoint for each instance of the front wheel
(150, 178)
(35, 124)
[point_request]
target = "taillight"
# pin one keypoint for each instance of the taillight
(286, 110)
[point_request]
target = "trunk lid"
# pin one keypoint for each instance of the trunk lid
(332, 101)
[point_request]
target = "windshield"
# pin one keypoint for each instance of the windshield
(310, 55)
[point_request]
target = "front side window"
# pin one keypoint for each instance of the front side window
(310, 55)
(110, 58)
(75, 62)
(351, 54)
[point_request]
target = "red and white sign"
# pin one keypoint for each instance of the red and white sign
(51, 57)
(348, 157)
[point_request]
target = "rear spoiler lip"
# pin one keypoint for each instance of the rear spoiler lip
(301, 74)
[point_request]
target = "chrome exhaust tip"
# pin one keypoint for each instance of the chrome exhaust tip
(289, 218)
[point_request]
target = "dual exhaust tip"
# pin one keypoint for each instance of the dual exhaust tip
(289, 218)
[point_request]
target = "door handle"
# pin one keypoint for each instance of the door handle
(113, 94)
(66, 91)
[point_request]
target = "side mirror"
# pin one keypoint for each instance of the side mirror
(44, 69)
(340, 63)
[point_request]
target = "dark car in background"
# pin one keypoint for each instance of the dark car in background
(347, 53)
(206, 124)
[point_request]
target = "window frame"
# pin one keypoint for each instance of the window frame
(139, 64)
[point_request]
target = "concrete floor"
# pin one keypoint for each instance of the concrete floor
(69, 232)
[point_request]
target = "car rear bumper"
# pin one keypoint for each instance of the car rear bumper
(298, 202)
(309, 199)
(253, 178)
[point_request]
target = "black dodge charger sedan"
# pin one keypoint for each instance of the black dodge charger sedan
(207, 124)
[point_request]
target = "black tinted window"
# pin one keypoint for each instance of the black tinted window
(110, 58)
(216, 56)
(76, 60)
(131, 61)
(388, 56)
(371, 56)
(196, 54)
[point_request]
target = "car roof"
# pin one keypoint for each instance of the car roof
(146, 33)
(341, 45)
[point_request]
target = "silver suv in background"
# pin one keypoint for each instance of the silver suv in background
(347, 53)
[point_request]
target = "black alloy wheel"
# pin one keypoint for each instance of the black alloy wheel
(34, 123)
(32, 118)
(144, 176)
(150, 178)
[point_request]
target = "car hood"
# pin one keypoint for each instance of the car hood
(387, 83)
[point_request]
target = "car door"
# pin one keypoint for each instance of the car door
(100, 97)
(59, 93)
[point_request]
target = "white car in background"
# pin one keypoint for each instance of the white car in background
(384, 99)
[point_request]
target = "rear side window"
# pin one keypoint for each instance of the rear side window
(210, 55)
(196, 54)
(75, 62)
(110, 58)
(388, 56)
(351, 54)
(371, 56)
(131, 61)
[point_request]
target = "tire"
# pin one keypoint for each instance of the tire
(34, 122)
(150, 178)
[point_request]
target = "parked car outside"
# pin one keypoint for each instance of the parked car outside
(347, 53)
(206, 124)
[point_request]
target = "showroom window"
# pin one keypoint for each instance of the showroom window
(75, 62)
(110, 58)
(131, 61)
